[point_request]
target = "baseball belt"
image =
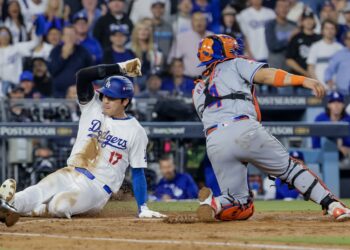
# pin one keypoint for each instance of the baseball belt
(90, 176)
(211, 129)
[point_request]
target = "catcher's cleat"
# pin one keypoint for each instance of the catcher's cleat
(208, 206)
(8, 214)
(339, 211)
(8, 190)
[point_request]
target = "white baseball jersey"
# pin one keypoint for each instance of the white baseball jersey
(232, 76)
(107, 146)
(11, 59)
(252, 23)
(319, 56)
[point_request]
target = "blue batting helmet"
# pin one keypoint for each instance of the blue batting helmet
(117, 87)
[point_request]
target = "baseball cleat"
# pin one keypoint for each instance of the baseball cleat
(338, 211)
(208, 206)
(8, 190)
(8, 214)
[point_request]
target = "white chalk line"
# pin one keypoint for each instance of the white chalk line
(169, 242)
(34, 221)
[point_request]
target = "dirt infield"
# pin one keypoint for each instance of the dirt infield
(117, 228)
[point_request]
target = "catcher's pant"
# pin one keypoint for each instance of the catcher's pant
(235, 143)
(63, 193)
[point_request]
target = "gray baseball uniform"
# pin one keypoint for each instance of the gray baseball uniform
(235, 137)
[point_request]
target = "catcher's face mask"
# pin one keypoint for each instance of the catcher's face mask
(216, 47)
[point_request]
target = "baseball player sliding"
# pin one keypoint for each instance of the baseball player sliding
(225, 101)
(108, 141)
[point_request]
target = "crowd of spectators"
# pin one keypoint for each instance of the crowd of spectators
(310, 38)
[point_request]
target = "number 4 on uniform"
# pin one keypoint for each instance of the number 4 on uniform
(115, 157)
(214, 92)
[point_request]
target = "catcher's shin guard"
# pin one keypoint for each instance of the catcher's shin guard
(298, 176)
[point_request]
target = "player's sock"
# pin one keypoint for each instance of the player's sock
(209, 206)
(206, 197)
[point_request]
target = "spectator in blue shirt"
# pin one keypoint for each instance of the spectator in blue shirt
(278, 33)
(335, 112)
(315, 5)
(344, 28)
(56, 15)
(65, 60)
(211, 10)
(92, 12)
(117, 52)
(162, 30)
(84, 39)
(339, 66)
(178, 84)
(173, 185)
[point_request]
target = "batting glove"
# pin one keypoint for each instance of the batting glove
(131, 67)
(145, 212)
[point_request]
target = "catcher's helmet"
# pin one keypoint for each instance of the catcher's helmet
(117, 87)
(216, 47)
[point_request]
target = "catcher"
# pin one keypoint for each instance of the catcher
(108, 141)
(225, 101)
